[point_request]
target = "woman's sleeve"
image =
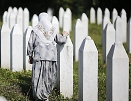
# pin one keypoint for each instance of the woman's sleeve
(30, 46)
(60, 39)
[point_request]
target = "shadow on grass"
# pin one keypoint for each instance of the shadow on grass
(26, 87)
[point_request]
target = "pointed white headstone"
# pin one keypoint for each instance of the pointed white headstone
(65, 66)
(50, 13)
(117, 74)
(92, 15)
(107, 13)
(104, 23)
(68, 11)
(34, 20)
(55, 23)
(16, 53)
(10, 9)
(5, 17)
(99, 16)
(12, 20)
(118, 27)
(26, 19)
(88, 71)
(114, 15)
(5, 46)
(124, 24)
(8, 15)
(19, 18)
(109, 39)
(61, 14)
(84, 20)
(66, 22)
(77, 37)
(15, 10)
(27, 33)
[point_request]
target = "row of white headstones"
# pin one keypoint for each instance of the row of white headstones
(21, 17)
(13, 56)
(114, 54)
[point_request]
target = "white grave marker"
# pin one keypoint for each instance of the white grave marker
(104, 23)
(68, 11)
(66, 22)
(117, 74)
(124, 24)
(5, 17)
(65, 66)
(99, 16)
(84, 20)
(50, 13)
(5, 46)
(114, 15)
(109, 40)
(27, 33)
(26, 19)
(77, 38)
(15, 10)
(19, 18)
(88, 71)
(34, 20)
(107, 13)
(55, 23)
(12, 20)
(8, 15)
(61, 14)
(16, 53)
(92, 15)
(118, 27)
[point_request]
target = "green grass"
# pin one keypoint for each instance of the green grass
(16, 86)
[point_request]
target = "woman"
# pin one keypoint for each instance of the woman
(42, 54)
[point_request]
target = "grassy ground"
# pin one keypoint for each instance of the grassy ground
(16, 86)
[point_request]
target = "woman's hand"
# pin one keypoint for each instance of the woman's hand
(65, 33)
(30, 61)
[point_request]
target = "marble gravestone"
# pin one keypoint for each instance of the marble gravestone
(25, 19)
(124, 25)
(117, 74)
(27, 33)
(5, 17)
(108, 40)
(5, 46)
(34, 20)
(107, 13)
(61, 13)
(19, 18)
(84, 21)
(77, 38)
(88, 71)
(16, 49)
(114, 15)
(55, 23)
(118, 27)
(65, 68)
(99, 16)
(92, 15)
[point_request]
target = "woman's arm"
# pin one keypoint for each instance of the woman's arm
(61, 39)
(30, 47)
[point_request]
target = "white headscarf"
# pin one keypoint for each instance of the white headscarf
(44, 29)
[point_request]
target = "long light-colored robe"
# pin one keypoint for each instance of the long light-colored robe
(44, 68)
